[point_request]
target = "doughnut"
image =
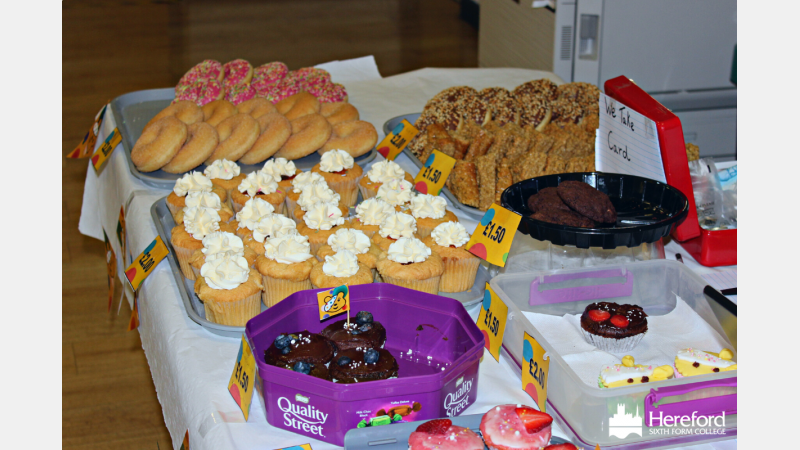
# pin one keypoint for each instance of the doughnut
(217, 111)
(236, 135)
(256, 107)
(201, 92)
(238, 71)
(184, 110)
(309, 134)
(329, 93)
(309, 76)
(298, 105)
(207, 70)
(285, 89)
(275, 130)
(270, 74)
(239, 93)
(356, 137)
(159, 143)
(338, 112)
(201, 141)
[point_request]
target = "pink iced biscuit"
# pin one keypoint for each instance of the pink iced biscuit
(239, 93)
(454, 438)
(270, 73)
(329, 93)
(209, 91)
(206, 70)
(237, 71)
(503, 429)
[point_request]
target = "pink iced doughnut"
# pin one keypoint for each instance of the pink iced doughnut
(206, 70)
(239, 93)
(285, 89)
(237, 71)
(329, 93)
(268, 92)
(270, 73)
(203, 92)
(187, 91)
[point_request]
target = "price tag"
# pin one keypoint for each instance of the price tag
(145, 263)
(86, 146)
(333, 302)
(297, 447)
(134, 322)
(396, 141)
(492, 321)
(431, 177)
(243, 378)
(185, 443)
(100, 156)
(492, 238)
(534, 371)
(111, 268)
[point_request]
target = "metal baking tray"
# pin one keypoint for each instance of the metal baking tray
(412, 118)
(133, 110)
(395, 436)
(194, 308)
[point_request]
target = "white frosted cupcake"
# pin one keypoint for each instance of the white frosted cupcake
(206, 199)
(230, 290)
(225, 174)
(430, 211)
(186, 238)
(252, 211)
(216, 245)
(411, 264)
(341, 268)
(300, 181)
(369, 215)
(258, 185)
(285, 267)
(354, 241)
(460, 266)
(397, 193)
(191, 182)
(268, 227)
(341, 173)
(317, 193)
(395, 226)
(381, 172)
(320, 221)
(283, 171)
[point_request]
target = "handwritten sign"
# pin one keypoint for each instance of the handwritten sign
(243, 378)
(100, 156)
(534, 371)
(396, 141)
(492, 238)
(145, 263)
(333, 302)
(86, 146)
(492, 321)
(432, 175)
(627, 142)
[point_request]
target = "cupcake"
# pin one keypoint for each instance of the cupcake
(690, 362)
(283, 171)
(188, 236)
(379, 173)
(298, 183)
(359, 365)
(252, 211)
(341, 174)
(411, 264)
(230, 290)
(612, 327)
(369, 215)
(616, 375)
(363, 331)
(220, 243)
(259, 185)
(225, 174)
(430, 212)
(205, 199)
(354, 241)
(316, 193)
(397, 193)
(321, 221)
(285, 267)
(460, 266)
(338, 269)
(395, 226)
(193, 181)
(268, 227)
(292, 348)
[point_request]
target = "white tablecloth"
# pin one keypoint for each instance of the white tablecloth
(191, 366)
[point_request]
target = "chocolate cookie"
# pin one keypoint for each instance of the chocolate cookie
(302, 346)
(612, 320)
(587, 201)
(364, 335)
(561, 217)
(546, 198)
(357, 365)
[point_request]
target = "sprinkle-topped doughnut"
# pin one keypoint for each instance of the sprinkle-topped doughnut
(238, 71)
(329, 93)
(270, 73)
(239, 93)
(207, 70)
(286, 88)
(200, 92)
(310, 76)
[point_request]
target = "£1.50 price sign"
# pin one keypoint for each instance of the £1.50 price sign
(534, 370)
(492, 321)
(243, 378)
(492, 238)
(432, 175)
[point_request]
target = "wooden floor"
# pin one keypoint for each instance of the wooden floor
(109, 49)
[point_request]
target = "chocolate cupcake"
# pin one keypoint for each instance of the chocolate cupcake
(357, 365)
(613, 327)
(288, 349)
(363, 332)
(315, 370)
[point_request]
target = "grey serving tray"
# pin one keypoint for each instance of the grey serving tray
(412, 118)
(132, 111)
(395, 436)
(194, 308)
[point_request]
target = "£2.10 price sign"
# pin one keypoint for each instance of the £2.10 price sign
(492, 238)
(396, 141)
(432, 175)
(492, 321)
(534, 370)
(243, 378)
(145, 263)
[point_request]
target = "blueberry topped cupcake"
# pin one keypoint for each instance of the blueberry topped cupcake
(357, 365)
(364, 332)
(301, 346)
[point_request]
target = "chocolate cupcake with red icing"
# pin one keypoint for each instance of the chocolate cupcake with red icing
(613, 327)
(363, 332)
(289, 349)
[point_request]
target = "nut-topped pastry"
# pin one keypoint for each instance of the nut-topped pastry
(613, 327)
(363, 332)
(288, 349)
(357, 365)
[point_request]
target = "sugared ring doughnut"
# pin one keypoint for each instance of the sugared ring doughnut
(356, 137)
(207, 70)
(158, 144)
(200, 92)
(201, 141)
(239, 93)
(275, 131)
(329, 93)
(184, 110)
(270, 73)
(257, 107)
(298, 105)
(338, 112)
(217, 111)
(236, 135)
(238, 71)
(309, 134)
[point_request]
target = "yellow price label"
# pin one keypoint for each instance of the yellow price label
(333, 302)
(185, 443)
(100, 156)
(243, 378)
(146, 262)
(396, 141)
(432, 175)
(534, 371)
(86, 146)
(492, 321)
(492, 238)
(296, 447)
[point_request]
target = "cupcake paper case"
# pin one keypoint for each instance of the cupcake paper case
(341, 173)
(338, 269)
(430, 211)
(230, 291)
(460, 266)
(410, 263)
(613, 327)
(285, 267)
